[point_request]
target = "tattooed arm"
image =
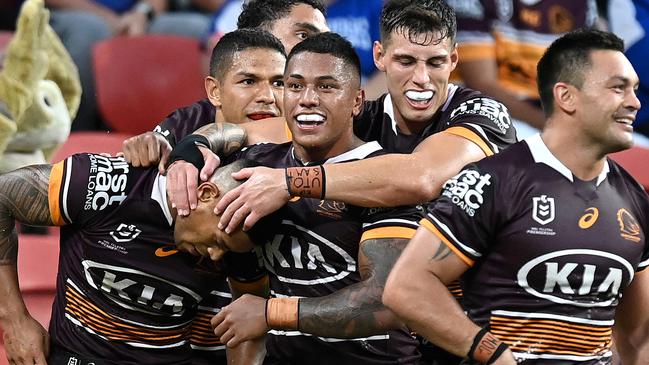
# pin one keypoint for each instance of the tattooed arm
(416, 291)
(356, 310)
(23, 197)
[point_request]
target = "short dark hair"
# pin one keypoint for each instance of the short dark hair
(331, 44)
(414, 18)
(263, 13)
(222, 177)
(567, 58)
(237, 41)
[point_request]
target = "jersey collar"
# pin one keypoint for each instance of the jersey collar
(159, 194)
(357, 153)
(542, 154)
(388, 107)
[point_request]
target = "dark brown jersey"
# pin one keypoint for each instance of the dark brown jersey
(466, 113)
(123, 292)
(311, 250)
(549, 255)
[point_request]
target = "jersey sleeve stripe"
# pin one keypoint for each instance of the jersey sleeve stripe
(54, 193)
(642, 266)
(471, 136)
(426, 223)
(388, 232)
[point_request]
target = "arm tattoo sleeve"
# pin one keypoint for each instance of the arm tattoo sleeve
(224, 138)
(356, 310)
(23, 197)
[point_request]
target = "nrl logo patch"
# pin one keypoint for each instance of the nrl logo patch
(543, 209)
(125, 233)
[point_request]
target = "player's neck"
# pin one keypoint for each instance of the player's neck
(312, 154)
(585, 160)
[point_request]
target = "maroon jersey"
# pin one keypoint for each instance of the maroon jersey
(466, 113)
(123, 291)
(185, 121)
(311, 250)
(549, 255)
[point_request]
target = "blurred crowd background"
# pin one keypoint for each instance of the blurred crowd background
(500, 42)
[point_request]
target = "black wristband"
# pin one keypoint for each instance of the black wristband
(187, 150)
(486, 348)
(499, 351)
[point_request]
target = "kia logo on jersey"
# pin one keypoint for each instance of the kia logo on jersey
(543, 209)
(579, 277)
(136, 290)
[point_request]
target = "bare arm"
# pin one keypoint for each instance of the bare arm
(356, 310)
(251, 352)
(631, 328)
(225, 137)
(416, 291)
(414, 178)
(483, 75)
(23, 197)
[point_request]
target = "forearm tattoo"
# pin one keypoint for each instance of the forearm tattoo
(307, 182)
(356, 310)
(224, 138)
(23, 197)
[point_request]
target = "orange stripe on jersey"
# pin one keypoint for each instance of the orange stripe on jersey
(113, 328)
(426, 223)
(253, 287)
(551, 336)
(54, 193)
(455, 288)
(388, 232)
(477, 51)
(471, 136)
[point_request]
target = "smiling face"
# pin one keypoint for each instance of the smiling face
(252, 88)
(606, 104)
(417, 75)
(302, 22)
(322, 96)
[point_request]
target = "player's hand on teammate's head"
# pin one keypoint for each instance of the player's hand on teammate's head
(264, 192)
(147, 149)
(183, 179)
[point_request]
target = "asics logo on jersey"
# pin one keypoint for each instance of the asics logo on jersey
(466, 190)
(580, 277)
(125, 233)
(486, 107)
(589, 218)
(629, 227)
(543, 209)
(139, 291)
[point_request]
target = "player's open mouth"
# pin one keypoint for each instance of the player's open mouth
(419, 99)
(260, 116)
(309, 120)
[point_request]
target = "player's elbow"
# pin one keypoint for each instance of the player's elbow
(394, 295)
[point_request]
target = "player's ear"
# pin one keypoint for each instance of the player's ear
(207, 191)
(378, 53)
(565, 97)
(213, 91)
(359, 99)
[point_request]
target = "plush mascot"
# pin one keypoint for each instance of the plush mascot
(39, 91)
